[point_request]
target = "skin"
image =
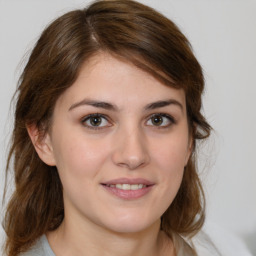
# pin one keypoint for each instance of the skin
(125, 143)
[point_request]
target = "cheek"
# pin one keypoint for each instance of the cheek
(172, 168)
(79, 163)
(79, 157)
(171, 154)
(170, 160)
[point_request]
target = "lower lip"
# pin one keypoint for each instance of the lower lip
(128, 194)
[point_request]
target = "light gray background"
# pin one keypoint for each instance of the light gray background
(223, 35)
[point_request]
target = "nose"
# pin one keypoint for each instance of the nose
(131, 150)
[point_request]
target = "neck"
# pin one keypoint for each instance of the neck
(70, 239)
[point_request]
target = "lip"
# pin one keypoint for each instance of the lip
(128, 194)
(128, 181)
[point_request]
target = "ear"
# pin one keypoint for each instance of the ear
(42, 144)
(189, 149)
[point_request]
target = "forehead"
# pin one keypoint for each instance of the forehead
(107, 78)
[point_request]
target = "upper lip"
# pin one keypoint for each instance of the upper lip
(128, 181)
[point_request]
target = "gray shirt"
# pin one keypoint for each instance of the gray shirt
(41, 248)
(205, 245)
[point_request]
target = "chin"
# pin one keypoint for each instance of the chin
(129, 229)
(132, 224)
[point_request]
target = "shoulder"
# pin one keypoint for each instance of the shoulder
(216, 241)
(40, 248)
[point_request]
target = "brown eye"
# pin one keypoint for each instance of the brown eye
(157, 120)
(160, 120)
(95, 121)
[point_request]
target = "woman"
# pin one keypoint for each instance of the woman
(106, 128)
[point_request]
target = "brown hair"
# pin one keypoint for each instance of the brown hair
(127, 30)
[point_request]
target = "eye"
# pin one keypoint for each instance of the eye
(95, 121)
(160, 120)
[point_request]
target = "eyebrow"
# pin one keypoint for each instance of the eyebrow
(163, 103)
(109, 106)
(94, 103)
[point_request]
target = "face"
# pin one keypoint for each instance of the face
(120, 141)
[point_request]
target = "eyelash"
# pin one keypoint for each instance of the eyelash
(96, 115)
(171, 120)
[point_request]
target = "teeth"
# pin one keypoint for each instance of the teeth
(119, 186)
(127, 186)
(134, 186)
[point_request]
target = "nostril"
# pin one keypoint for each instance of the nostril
(130, 152)
(131, 165)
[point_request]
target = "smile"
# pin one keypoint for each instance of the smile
(127, 186)
(128, 189)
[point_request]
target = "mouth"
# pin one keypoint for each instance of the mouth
(128, 188)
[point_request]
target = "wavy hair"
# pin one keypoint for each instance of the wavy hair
(124, 29)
